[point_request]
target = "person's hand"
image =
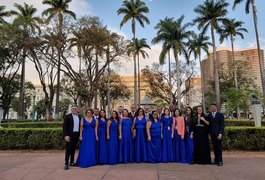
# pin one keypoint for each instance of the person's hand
(96, 138)
(161, 136)
(203, 119)
(80, 138)
(108, 138)
(219, 137)
(209, 137)
(134, 133)
(120, 137)
(67, 138)
(191, 136)
(149, 138)
(182, 137)
(172, 136)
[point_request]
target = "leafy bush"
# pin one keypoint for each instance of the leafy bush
(244, 138)
(57, 124)
(232, 122)
(31, 138)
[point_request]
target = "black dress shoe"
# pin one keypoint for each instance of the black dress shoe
(66, 167)
(72, 164)
(214, 163)
(220, 164)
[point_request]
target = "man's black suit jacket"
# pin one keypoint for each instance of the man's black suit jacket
(68, 125)
(216, 123)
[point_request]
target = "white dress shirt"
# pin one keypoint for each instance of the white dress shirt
(76, 123)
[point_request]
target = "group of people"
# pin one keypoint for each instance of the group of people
(163, 135)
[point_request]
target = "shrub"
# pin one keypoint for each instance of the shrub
(232, 122)
(57, 124)
(31, 138)
(244, 138)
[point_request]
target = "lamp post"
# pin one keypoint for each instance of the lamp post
(1, 110)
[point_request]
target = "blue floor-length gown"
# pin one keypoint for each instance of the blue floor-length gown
(140, 140)
(179, 147)
(113, 143)
(154, 146)
(87, 149)
(102, 142)
(167, 147)
(126, 143)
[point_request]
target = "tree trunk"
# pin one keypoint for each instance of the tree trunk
(21, 109)
(135, 71)
(216, 71)
(178, 80)
(202, 85)
(96, 83)
(235, 73)
(169, 78)
(261, 62)
(109, 113)
(80, 61)
(139, 77)
(58, 86)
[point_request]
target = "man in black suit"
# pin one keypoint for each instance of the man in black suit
(216, 120)
(133, 111)
(71, 132)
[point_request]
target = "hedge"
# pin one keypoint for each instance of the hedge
(31, 138)
(232, 122)
(57, 124)
(27, 120)
(235, 138)
(244, 138)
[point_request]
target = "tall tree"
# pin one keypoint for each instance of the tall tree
(134, 10)
(210, 14)
(197, 44)
(28, 23)
(58, 8)
(229, 30)
(164, 34)
(174, 35)
(137, 47)
(255, 20)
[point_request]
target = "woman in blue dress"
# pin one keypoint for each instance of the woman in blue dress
(154, 133)
(125, 136)
(101, 125)
(139, 125)
(189, 135)
(87, 149)
(113, 138)
(168, 131)
(179, 142)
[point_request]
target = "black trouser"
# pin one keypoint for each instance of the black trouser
(70, 148)
(217, 147)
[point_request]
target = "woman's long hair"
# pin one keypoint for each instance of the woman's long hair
(99, 116)
(117, 116)
(137, 112)
(190, 119)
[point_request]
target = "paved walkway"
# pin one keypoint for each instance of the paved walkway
(48, 165)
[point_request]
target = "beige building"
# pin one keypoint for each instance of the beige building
(194, 96)
(246, 58)
(129, 82)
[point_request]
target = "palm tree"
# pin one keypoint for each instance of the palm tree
(3, 14)
(134, 10)
(175, 36)
(255, 20)
(165, 35)
(210, 14)
(196, 45)
(58, 8)
(137, 47)
(27, 22)
(229, 30)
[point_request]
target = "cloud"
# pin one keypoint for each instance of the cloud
(127, 68)
(118, 31)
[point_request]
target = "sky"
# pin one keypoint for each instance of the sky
(159, 9)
